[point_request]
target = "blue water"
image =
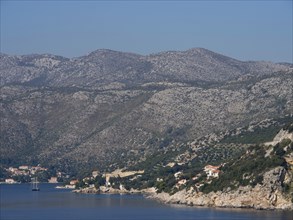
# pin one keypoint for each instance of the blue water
(18, 202)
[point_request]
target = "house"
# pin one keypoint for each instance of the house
(59, 174)
(20, 172)
(95, 173)
(12, 169)
(53, 180)
(86, 179)
(121, 187)
(91, 186)
(181, 182)
(23, 167)
(212, 171)
(178, 174)
(10, 181)
(209, 167)
(198, 185)
(70, 186)
(196, 177)
(73, 182)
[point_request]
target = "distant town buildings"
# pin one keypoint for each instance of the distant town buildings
(25, 170)
(16, 174)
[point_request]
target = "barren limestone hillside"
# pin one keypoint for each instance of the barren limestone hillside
(113, 108)
(102, 67)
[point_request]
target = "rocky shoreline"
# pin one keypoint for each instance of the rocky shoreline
(110, 190)
(268, 196)
(244, 197)
(225, 200)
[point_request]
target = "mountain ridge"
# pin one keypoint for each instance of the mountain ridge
(71, 113)
(106, 66)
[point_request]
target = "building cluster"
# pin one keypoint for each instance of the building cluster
(211, 172)
(86, 180)
(25, 170)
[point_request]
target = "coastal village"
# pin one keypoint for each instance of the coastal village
(177, 182)
(110, 185)
(88, 183)
(24, 173)
(174, 182)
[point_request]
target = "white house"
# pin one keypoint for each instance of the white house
(73, 182)
(178, 174)
(212, 171)
(23, 167)
(9, 181)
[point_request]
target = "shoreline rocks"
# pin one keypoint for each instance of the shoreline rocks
(244, 197)
(268, 196)
(223, 200)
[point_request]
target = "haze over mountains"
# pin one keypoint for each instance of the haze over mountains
(109, 107)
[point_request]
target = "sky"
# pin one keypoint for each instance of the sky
(245, 30)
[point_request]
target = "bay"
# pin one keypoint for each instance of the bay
(18, 202)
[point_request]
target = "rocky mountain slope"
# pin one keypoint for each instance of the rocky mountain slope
(212, 173)
(112, 108)
(260, 178)
(105, 66)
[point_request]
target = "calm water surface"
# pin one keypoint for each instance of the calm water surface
(18, 202)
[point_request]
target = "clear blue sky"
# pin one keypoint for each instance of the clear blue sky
(246, 30)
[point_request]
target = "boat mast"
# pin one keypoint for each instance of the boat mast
(35, 184)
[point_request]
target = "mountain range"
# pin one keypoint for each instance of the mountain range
(112, 109)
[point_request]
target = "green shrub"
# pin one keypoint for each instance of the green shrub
(80, 184)
(160, 186)
(289, 127)
(285, 142)
(258, 180)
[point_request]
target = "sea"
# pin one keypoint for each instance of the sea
(19, 202)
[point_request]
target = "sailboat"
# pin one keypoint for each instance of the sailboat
(35, 184)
